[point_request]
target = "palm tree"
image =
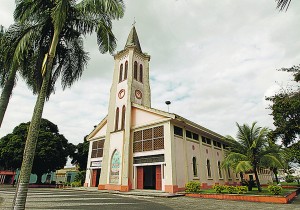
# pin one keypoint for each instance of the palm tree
(283, 4)
(28, 48)
(251, 151)
(84, 18)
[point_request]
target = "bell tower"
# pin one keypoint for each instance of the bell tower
(130, 85)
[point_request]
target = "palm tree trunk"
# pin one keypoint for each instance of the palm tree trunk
(29, 151)
(275, 174)
(257, 179)
(6, 92)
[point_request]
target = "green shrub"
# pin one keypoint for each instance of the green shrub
(80, 177)
(219, 188)
(76, 184)
(289, 178)
(192, 187)
(275, 189)
(241, 189)
(230, 189)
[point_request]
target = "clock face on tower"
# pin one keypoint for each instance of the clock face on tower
(121, 93)
(138, 94)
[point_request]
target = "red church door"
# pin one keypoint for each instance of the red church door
(140, 177)
(158, 177)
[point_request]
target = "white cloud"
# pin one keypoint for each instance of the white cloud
(214, 60)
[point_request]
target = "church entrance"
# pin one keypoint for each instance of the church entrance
(149, 177)
(95, 177)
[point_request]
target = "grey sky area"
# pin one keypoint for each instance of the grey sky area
(214, 60)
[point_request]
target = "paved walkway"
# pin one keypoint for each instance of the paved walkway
(91, 198)
(150, 193)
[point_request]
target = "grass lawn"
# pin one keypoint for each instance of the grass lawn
(288, 184)
(253, 192)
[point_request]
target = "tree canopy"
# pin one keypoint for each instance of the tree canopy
(285, 109)
(80, 155)
(51, 152)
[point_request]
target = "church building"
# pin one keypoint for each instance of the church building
(138, 147)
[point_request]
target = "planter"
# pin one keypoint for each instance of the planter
(252, 198)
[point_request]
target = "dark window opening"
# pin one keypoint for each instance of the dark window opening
(121, 73)
(135, 71)
(126, 70)
(178, 131)
(141, 73)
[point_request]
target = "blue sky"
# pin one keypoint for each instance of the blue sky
(214, 60)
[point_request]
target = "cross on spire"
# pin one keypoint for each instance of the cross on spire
(133, 22)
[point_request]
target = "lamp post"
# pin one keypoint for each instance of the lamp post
(168, 103)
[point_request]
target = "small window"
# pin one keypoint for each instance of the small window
(117, 120)
(121, 73)
(178, 131)
(228, 171)
(220, 170)
(194, 166)
(188, 134)
(208, 168)
(126, 70)
(195, 136)
(123, 117)
(135, 71)
(208, 141)
(141, 73)
(217, 144)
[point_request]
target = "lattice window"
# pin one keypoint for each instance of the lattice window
(147, 134)
(97, 149)
(158, 143)
(147, 145)
(148, 139)
(94, 153)
(158, 131)
(137, 136)
(137, 147)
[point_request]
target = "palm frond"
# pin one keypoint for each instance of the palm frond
(59, 13)
(243, 166)
(283, 4)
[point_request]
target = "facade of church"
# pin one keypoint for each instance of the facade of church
(138, 147)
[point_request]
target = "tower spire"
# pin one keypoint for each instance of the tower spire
(133, 39)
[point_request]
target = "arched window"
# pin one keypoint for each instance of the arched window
(208, 168)
(121, 73)
(135, 71)
(126, 70)
(123, 117)
(194, 166)
(117, 119)
(229, 175)
(141, 73)
(220, 170)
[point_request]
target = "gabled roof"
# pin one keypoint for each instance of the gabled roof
(133, 40)
(97, 128)
(155, 111)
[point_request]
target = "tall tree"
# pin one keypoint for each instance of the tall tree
(84, 17)
(250, 151)
(51, 153)
(285, 109)
(28, 47)
(80, 155)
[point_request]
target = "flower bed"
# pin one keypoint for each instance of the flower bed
(253, 198)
